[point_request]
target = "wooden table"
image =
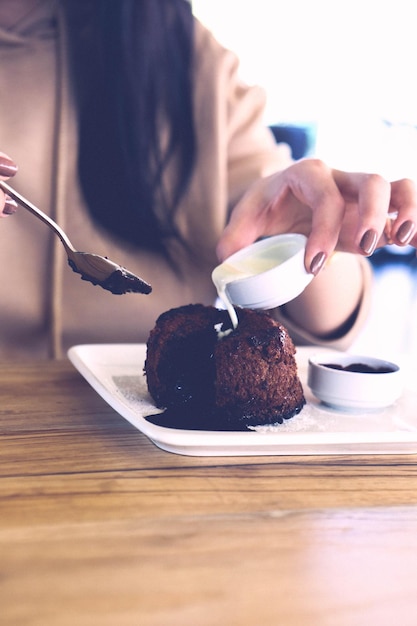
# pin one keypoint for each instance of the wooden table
(99, 527)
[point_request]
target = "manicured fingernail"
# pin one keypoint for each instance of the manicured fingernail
(317, 263)
(405, 231)
(369, 241)
(7, 167)
(10, 206)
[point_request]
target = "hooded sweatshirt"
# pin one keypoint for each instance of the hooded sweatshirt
(45, 307)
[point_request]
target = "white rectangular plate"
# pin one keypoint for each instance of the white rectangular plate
(115, 371)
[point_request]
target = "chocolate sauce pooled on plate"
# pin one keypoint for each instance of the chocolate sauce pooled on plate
(210, 420)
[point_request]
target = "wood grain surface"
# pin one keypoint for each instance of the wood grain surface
(100, 527)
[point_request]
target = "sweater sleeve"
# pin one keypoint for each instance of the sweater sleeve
(350, 330)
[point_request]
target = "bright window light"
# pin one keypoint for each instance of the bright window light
(349, 67)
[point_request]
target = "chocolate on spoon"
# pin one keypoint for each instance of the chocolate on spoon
(96, 269)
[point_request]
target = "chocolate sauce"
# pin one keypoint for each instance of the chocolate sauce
(181, 420)
(119, 282)
(361, 368)
(210, 419)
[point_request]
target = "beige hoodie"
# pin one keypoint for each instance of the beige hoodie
(45, 307)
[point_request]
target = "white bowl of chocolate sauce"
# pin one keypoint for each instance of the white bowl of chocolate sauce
(264, 275)
(354, 382)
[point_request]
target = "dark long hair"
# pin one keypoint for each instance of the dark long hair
(132, 63)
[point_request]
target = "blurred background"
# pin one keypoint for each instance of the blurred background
(340, 82)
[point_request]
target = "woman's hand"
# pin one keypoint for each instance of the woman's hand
(336, 210)
(7, 169)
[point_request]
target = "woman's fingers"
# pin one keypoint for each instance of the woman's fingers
(348, 211)
(312, 184)
(303, 198)
(10, 206)
(8, 168)
(368, 196)
(384, 212)
(403, 212)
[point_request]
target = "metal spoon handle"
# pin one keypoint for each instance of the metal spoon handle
(38, 213)
(96, 269)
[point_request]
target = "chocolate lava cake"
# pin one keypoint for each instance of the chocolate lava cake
(208, 376)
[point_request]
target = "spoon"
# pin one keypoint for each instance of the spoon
(96, 269)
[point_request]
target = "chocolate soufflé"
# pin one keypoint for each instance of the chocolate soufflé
(209, 376)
